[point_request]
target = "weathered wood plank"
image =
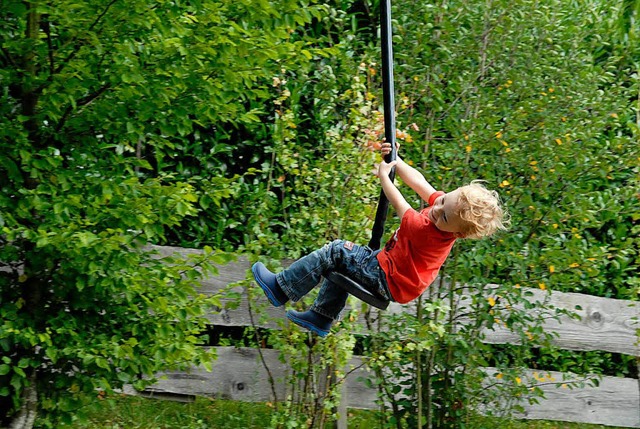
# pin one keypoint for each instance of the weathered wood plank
(238, 374)
(605, 324)
(615, 402)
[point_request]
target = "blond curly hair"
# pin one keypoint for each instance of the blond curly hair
(480, 210)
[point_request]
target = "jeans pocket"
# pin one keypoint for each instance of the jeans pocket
(360, 258)
(364, 266)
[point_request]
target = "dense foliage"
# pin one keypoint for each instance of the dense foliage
(251, 127)
(103, 103)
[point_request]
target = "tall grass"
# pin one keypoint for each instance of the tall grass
(132, 412)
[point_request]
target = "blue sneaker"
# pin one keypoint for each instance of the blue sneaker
(315, 322)
(267, 281)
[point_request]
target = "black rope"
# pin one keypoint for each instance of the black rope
(386, 46)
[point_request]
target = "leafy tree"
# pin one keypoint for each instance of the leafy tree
(97, 99)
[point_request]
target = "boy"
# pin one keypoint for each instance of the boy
(410, 260)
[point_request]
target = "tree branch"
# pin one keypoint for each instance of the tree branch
(82, 102)
(47, 30)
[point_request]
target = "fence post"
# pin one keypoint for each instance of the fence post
(342, 406)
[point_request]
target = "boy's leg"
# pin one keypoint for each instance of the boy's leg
(326, 308)
(330, 301)
(302, 276)
(359, 263)
(305, 273)
(267, 281)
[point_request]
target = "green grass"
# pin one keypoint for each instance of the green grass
(131, 412)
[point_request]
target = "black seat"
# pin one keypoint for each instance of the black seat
(358, 290)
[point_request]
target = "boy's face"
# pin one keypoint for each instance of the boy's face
(443, 213)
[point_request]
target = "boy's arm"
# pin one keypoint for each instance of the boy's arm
(393, 194)
(414, 179)
(409, 175)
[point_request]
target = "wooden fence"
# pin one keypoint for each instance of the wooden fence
(604, 324)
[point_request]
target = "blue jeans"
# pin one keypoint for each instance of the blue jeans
(356, 262)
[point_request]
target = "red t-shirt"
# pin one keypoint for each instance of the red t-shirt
(414, 254)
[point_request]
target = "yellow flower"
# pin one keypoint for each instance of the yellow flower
(504, 184)
(499, 376)
(551, 90)
(551, 269)
(499, 135)
(614, 115)
(492, 301)
(518, 380)
(574, 265)
(468, 148)
(559, 141)
(542, 286)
